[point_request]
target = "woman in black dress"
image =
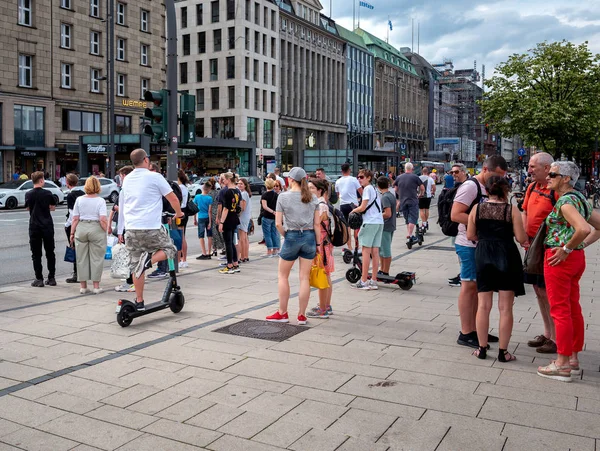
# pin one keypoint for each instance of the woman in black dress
(495, 224)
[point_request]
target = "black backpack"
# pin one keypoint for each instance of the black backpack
(341, 233)
(445, 202)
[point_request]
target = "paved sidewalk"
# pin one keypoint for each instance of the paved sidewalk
(384, 373)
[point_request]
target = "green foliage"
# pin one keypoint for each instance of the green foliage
(549, 96)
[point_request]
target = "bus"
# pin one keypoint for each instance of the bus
(441, 168)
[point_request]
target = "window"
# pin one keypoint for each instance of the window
(183, 73)
(25, 71)
(121, 13)
(29, 126)
(264, 44)
(230, 9)
(223, 127)
(265, 17)
(272, 102)
(217, 40)
(95, 75)
(247, 38)
(66, 74)
(230, 67)
(184, 17)
(121, 82)
(251, 129)
(273, 75)
(145, 86)
(268, 134)
(214, 11)
(145, 20)
(95, 39)
(255, 70)
(81, 121)
(247, 69)
(247, 97)
(65, 35)
(264, 100)
(122, 125)
(273, 48)
(25, 13)
(199, 129)
(214, 98)
(95, 8)
(144, 54)
(265, 73)
(199, 71)
(256, 13)
(199, 13)
(121, 43)
(214, 69)
(231, 96)
(231, 38)
(202, 42)
(256, 42)
(65, 4)
(200, 99)
(186, 44)
(256, 99)
(248, 11)
(273, 20)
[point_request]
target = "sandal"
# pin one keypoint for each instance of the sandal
(505, 356)
(575, 369)
(553, 371)
(480, 352)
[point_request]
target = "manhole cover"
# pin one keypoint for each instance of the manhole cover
(440, 248)
(263, 330)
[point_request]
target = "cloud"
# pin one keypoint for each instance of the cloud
(488, 32)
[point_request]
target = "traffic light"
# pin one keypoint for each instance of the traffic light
(158, 115)
(187, 113)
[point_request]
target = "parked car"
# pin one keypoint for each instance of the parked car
(109, 188)
(196, 187)
(256, 184)
(12, 194)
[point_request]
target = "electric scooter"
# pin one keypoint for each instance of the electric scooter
(417, 238)
(405, 280)
(172, 298)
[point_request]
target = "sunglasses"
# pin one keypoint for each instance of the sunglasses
(360, 177)
(454, 172)
(553, 175)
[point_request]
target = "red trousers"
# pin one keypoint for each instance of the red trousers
(562, 286)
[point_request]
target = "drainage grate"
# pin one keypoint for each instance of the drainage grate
(263, 330)
(440, 248)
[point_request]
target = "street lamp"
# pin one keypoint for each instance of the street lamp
(110, 111)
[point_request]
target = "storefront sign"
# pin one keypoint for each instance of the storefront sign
(96, 149)
(188, 152)
(29, 154)
(134, 103)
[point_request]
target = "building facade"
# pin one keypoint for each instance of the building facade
(313, 88)
(228, 55)
(53, 89)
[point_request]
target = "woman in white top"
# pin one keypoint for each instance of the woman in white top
(245, 217)
(183, 181)
(371, 230)
(88, 232)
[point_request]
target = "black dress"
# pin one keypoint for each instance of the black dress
(497, 258)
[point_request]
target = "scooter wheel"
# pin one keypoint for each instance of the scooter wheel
(347, 257)
(409, 244)
(421, 242)
(123, 317)
(405, 285)
(353, 275)
(177, 302)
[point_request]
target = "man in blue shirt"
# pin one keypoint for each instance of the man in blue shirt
(448, 180)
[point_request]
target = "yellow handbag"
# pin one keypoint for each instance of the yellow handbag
(318, 277)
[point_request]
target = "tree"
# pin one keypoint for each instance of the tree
(548, 96)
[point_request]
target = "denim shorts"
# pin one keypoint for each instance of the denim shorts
(202, 223)
(410, 213)
(298, 243)
(468, 270)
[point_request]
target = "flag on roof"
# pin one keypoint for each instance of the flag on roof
(390, 24)
(366, 5)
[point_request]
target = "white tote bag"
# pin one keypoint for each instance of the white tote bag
(119, 269)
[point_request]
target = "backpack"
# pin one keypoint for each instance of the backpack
(445, 202)
(338, 233)
(551, 197)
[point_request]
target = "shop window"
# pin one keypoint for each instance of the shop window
(223, 127)
(81, 121)
(251, 129)
(268, 134)
(29, 126)
(122, 125)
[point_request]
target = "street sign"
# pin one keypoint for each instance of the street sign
(521, 152)
(402, 146)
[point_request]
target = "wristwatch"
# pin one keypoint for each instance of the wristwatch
(566, 249)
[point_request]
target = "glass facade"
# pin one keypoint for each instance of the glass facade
(29, 126)
(359, 110)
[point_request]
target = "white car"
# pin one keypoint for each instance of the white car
(12, 194)
(109, 190)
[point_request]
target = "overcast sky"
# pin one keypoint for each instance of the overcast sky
(486, 31)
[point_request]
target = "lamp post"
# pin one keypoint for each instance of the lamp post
(110, 82)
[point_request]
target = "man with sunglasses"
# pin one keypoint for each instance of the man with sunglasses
(537, 205)
(468, 195)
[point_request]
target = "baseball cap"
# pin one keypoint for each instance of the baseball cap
(297, 173)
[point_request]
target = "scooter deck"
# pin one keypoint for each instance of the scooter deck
(150, 308)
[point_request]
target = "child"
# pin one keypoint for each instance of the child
(203, 221)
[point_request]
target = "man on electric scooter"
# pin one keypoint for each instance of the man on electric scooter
(146, 240)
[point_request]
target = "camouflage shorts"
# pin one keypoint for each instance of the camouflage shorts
(151, 241)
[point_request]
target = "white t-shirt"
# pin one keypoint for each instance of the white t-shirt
(372, 215)
(184, 195)
(428, 183)
(466, 194)
(89, 208)
(346, 187)
(142, 199)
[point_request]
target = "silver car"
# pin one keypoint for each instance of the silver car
(109, 190)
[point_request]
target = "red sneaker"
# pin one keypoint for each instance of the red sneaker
(301, 320)
(279, 318)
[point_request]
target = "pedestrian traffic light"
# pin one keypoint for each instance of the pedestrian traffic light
(158, 115)
(187, 113)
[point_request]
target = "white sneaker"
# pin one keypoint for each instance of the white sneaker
(84, 290)
(373, 285)
(97, 290)
(125, 288)
(360, 285)
(183, 265)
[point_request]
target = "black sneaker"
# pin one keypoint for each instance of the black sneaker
(454, 282)
(139, 306)
(37, 283)
(51, 281)
(144, 264)
(469, 340)
(72, 279)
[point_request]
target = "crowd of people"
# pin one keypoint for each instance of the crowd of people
(297, 221)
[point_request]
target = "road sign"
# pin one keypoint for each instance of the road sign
(521, 152)
(402, 146)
